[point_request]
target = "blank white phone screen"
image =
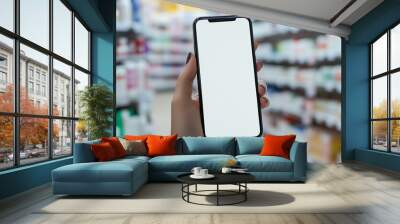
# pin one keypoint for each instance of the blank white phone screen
(228, 89)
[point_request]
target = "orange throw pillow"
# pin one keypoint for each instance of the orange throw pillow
(161, 145)
(116, 145)
(277, 145)
(103, 152)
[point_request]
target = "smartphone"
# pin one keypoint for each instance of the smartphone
(226, 76)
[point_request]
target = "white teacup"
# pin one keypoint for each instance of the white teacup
(196, 171)
(203, 172)
(226, 170)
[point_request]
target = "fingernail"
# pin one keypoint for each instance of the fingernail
(189, 55)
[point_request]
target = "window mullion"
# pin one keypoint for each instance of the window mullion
(371, 142)
(389, 104)
(16, 84)
(50, 81)
(73, 82)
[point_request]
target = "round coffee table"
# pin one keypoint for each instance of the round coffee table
(238, 179)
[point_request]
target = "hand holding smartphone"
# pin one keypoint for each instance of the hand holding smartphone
(226, 75)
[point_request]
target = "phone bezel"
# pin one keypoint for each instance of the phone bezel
(225, 19)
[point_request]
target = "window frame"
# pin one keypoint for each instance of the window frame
(388, 74)
(16, 114)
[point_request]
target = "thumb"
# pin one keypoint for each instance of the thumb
(185, 80)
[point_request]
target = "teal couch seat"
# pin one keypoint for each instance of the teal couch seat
(272, 168)
(167, 168)
(257, 163)
(206, 145)
(119, 177)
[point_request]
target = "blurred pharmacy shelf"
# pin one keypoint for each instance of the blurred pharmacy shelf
(303, 74)
(301, 69)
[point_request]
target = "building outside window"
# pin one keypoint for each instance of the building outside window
(60, 127)
(43, 90)
(3, 61)
(385, 96)
(3, 78)
(38, 89)
(43, 77)
(30, 72)
(3, 72)
(37, 75)
(30, 87)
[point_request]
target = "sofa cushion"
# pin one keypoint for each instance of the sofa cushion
(103, 152)
(185, 163)
(116, 145)
(134, 147)
(159, 145)
(257, 163)
(112, 171)
(277, 145)
(206, 145)
(249, 145)
(83, 152)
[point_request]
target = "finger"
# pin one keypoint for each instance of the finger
(196, 102)
(259, 65)
(195, 96)
(264, 102)
(256, 44)
(185, 79)
(261, 90)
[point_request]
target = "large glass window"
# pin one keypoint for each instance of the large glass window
(395, 47)
(34, 21)
(379, 56)
(385, 94)
(62, 89)
(6, 74)
(33, 140)
(62, 137)
(40, 124)
(81, 45)
(40, 62)
(62, 29)
(7, 14)
(6, 142)
(81, 81)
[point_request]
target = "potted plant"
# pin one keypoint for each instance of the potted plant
(96, 103)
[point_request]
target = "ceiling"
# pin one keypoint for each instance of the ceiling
(325, 16)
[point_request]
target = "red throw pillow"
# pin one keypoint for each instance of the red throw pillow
(103, 152)
(161, 145)
(277, 145)
(116, 145)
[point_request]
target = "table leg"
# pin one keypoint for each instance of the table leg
(217, 194)
(188, 190)
(196, 187)
(245, 193)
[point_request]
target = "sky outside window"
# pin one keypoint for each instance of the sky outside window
(7, 14)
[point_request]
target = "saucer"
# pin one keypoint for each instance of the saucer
(208, 176)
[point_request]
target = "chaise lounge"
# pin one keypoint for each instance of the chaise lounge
(125, 176)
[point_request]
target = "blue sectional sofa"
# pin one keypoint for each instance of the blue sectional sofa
(125, 176)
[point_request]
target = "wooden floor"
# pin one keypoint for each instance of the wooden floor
(378, 188)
